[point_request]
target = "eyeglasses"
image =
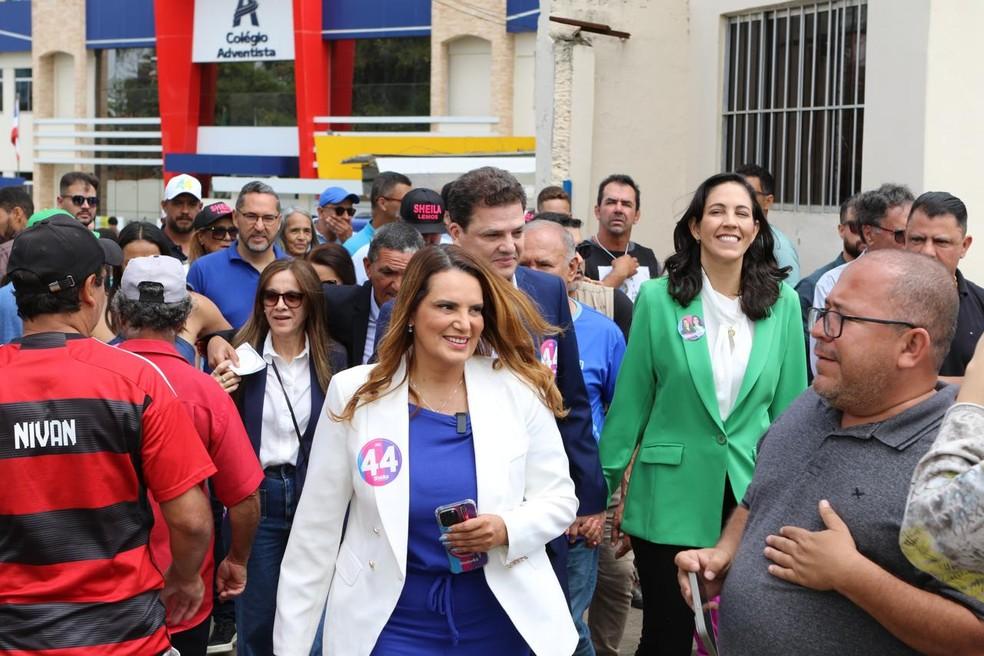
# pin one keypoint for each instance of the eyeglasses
(291, 299)
(833, 321)
(252, 217)
(852, 226)
(898, 235)
(339, 210)
(79, 200)
(222, 233)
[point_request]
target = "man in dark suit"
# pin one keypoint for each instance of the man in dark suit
(486, 208)
(353, 309)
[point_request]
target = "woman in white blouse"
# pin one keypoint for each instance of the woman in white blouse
(280, 406)
(715, 354)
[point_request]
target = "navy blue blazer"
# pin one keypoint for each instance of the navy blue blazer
(250, 404)
(550, 295)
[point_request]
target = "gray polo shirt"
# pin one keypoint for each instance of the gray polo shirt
(864, 471)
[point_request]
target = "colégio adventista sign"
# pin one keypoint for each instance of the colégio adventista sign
(243, 30)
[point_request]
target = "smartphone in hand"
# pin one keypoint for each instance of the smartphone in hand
(702, 614)
(454, 513)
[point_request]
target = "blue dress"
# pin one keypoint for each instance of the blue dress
(440, 613)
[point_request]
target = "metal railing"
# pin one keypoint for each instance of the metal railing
(49, 142)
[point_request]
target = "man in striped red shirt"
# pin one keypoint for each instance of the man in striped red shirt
(86, 431)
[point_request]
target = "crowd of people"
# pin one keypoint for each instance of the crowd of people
(468, 428)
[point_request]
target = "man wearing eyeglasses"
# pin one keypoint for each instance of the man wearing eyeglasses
(812, 556)
(388, 190)
(229, 277)
(335, 212)
(938, 228)
(79, 196)
(881, 220)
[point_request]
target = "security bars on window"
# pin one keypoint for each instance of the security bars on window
(794, 99)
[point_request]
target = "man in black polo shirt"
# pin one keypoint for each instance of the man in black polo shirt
(611, 257)
(810, 560)
(937, 227)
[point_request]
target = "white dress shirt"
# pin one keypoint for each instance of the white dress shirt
(729, 341)
(823, 288)
(278, 440)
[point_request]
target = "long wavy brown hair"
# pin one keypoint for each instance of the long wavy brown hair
(256, 328)
(510, 320)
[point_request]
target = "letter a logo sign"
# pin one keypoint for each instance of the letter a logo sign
(246, 7)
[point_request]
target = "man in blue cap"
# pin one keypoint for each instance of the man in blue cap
(335, 212)
(388, 190)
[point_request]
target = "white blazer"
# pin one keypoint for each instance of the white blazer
(522, 475)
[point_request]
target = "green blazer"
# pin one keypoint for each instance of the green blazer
(665, 400)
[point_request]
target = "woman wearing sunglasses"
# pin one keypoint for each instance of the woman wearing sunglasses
(213, 231)
(280, 407)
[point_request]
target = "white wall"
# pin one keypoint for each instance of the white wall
(524, 122)
(469, 82)
(954, 140)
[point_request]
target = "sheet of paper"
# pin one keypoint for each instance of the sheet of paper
(631, 285)
(249, 361)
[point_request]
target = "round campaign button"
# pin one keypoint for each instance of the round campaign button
(379, 462)
(691, 328)
(548, 354)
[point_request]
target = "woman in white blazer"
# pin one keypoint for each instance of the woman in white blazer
(433, 423)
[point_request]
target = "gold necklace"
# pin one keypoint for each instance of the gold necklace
(444, 406)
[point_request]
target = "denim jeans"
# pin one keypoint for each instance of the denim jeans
(257, 606)
(582, 575)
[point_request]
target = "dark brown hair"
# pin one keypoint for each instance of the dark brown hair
(255, 331)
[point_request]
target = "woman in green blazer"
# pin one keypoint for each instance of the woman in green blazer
(714, 356)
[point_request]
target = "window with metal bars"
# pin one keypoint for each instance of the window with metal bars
(794, 99)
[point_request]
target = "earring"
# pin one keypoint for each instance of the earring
(410, 329)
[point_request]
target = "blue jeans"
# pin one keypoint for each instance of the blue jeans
(582, 575)
(257, 606)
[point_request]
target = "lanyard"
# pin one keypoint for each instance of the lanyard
(293, 418)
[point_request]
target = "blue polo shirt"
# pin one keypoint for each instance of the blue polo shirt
(359, 239)
(10, 324)
(601, 345)
(229, 281)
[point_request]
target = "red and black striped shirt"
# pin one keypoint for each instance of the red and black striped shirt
(85, 430)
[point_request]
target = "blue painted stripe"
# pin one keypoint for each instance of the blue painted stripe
(374, 19)
(259, 165)
(15, 26)
(522, 15)
(119, 24)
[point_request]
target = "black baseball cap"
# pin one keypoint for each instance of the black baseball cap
(424, 210)
(61, 252)
(210, 214)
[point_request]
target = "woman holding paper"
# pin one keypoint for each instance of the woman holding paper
(439, 423)
(279, 399)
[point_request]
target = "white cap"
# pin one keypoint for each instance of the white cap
(154, 279)
(182, 184)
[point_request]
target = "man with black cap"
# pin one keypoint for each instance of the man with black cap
(424, 210)
(87, 431)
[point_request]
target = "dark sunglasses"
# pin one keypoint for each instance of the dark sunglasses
(78, 200)
(897, 235)
(339, 210)
(853, 227)
(223, 233)
(291, 299)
